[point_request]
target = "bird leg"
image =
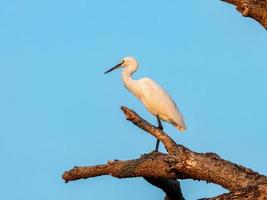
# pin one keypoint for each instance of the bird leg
(161, 128)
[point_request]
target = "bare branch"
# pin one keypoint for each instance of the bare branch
(150, 165)
(162, 170)
(256, 9)
(190, 165)
(257, 192)
(153, 167)
(169, 144)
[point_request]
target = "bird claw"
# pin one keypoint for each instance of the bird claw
(154, 151)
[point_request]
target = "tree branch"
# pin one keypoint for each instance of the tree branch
(256, 9)
(249, 193)
(153, 167)
(149, 165)
(162, 170)
(169, 144)
(191, 165)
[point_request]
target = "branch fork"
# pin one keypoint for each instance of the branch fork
(163, 170)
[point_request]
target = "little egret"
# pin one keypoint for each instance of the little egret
(155, 98)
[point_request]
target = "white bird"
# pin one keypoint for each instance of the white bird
(156, 100)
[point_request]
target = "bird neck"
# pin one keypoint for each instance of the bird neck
(127, 79)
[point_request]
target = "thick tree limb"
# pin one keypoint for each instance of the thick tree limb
(250, 193)
(154, 167)
(256, 9)
(209, 167)
(151, 165)
(162, 170)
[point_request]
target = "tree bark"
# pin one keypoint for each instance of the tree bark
(248, 193)
(163, 170)
(256, 9)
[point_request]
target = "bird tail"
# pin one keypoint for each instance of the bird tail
(181, 128)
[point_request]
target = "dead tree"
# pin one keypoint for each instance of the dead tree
(256, 9)
(163, 170)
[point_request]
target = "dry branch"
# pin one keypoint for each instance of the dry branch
(162, 170)
(191, 165)
(256, 9)
(151, 165)
(256, 192)
(169, 144)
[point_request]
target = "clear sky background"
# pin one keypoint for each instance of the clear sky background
(58, 109)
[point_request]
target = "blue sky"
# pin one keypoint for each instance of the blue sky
(58, 110)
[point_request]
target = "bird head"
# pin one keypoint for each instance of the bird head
(127, 63)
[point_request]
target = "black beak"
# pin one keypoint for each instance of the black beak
(115, 67)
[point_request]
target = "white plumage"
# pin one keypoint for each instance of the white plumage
(156, 100)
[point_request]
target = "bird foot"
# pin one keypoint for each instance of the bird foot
(154, 151)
